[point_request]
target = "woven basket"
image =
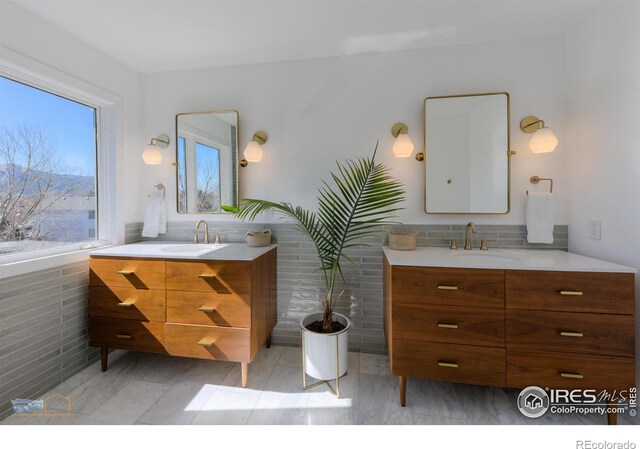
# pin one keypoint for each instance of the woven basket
(259, 238)
(403, 241)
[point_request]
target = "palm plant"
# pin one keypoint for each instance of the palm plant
(363, 198)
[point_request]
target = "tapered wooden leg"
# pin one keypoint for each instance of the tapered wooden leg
(269, 341)
(402, 380)
(104, 358)
(612, 418)
(245, 374)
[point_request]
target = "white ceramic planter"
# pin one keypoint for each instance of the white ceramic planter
(320, 349)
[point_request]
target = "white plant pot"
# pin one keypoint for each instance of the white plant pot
(320, 349)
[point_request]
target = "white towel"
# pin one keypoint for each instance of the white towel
(539, 217)
(155, 217)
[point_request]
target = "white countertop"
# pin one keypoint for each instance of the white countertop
(502, 259)
(183, 250)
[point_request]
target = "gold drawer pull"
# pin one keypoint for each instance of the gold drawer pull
(447, 287)
(126, 272)
(447, 364)
(207, 276)
(206, 309)
(571, 334)
(570, 293)
(125, 336)
(572, 375)
(448, 326)
(124, 304)
(206, 344)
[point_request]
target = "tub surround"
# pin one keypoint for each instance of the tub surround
(510, 318)
(163, 298)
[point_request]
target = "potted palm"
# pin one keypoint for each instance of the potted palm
(361, 199)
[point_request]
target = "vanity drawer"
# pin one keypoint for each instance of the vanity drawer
(208, 342)
(449, 324)
(126, 334)
(211, 309)
(127, 303)
(141, 274)
(571, 291)
(570, 371)
(448, 286)
(222, 277)
(453, 363)
(585, 333)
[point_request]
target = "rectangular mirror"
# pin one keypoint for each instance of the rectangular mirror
(467, 167)
(207, 161)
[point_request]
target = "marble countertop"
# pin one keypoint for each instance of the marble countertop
(502, 259)
(183, 250)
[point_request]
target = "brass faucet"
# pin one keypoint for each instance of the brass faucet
(217, 241)
(467, 240)
(206, 232)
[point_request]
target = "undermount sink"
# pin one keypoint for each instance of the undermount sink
(191, 248)
(486, 257)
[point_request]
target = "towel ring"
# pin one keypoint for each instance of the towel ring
(160, 186)
(537, 179)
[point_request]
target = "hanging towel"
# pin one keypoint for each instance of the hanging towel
(155, 217)
(539, 217)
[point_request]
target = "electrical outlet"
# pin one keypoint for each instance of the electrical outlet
(595, 229)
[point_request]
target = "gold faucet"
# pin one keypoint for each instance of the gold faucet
(217, 241)
(206, 232)
(467, 240)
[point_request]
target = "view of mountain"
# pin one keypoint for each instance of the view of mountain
(74, 184)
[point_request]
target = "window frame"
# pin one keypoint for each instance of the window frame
(109, 165)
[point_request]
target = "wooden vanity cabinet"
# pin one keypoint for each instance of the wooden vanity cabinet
(510, 328)
(217, 310)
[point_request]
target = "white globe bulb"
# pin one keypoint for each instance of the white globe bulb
(402, 147)
(253, 152)
(543, 141)
(152, 155)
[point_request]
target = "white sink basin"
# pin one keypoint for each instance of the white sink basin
(479, 257)
(190, 248)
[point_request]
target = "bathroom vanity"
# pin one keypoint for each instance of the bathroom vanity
(509, 318)
(214, 302)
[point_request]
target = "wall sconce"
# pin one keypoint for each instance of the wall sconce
(253, 152)
(544, 140)
(403, 146)
(152, 154)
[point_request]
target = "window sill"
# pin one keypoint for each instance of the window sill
(41, 262)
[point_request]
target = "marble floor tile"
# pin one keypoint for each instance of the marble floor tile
(378, 401)
(129, 404)
(282, 400)
(179, 405)
(259, 370)
(207, 372)
(33, 420)
(374, 364)
(291, 357)
(322, 413)
(172, 369)
(227, 405)
(430, 420)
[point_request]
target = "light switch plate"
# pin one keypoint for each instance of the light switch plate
(595, 229)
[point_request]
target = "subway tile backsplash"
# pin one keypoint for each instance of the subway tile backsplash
(300, 287)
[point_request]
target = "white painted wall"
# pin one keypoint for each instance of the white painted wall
(603, 83)
(319, 111)
(29, 35)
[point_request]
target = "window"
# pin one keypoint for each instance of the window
(48, 191)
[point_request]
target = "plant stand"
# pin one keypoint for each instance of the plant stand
(305, 387)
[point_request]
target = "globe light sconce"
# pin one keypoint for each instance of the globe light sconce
(152, 154)
(544, 140)
(403, 146)
(253, 150)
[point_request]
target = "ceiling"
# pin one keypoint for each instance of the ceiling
(162, 35)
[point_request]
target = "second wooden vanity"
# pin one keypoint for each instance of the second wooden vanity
(567, 321)
(218, 306)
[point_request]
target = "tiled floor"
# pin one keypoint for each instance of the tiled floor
(153, 389)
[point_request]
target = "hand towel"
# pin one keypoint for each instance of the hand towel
(539, 217)
(155, 217)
